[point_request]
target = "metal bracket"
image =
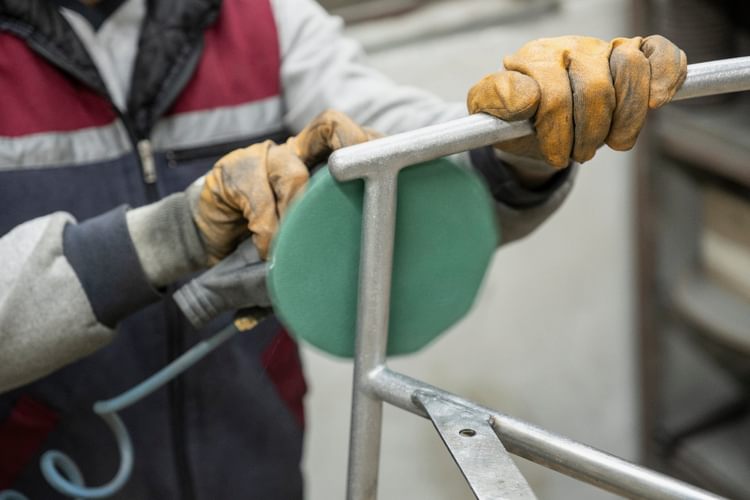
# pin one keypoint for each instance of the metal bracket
(478, 452)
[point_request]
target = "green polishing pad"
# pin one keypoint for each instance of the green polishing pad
(445, 237)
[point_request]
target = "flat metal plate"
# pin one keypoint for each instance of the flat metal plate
(482, 458)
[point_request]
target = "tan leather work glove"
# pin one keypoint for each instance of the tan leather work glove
(251, 188)
(582, 92)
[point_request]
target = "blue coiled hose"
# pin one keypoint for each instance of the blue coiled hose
(61, 471)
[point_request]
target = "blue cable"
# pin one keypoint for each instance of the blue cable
(53, 460)
(61, 471)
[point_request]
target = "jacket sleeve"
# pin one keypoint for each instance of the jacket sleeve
(46, 319)
(64, 286)
(323, 69)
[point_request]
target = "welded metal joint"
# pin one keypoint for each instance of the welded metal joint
(370, 382)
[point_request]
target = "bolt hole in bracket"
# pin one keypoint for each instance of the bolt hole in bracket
(478, 452)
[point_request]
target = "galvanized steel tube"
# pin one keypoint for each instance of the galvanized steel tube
(408, 148)
(543, 447)
(378, 162)
(716, 77)
(373, 308)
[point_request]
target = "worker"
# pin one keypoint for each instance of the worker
(182, 111)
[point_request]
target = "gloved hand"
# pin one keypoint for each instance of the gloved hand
(238, 281)
(582, 92)
(251, 188)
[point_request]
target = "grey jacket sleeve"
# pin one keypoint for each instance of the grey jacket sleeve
(323, 69)
(46, 319)
(64, 286)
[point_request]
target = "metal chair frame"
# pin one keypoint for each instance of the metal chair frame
(478, 438)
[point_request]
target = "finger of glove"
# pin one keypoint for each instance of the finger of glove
(287, 174)
(260, 213)
(593, 99)
(245, 177)
(238, 280)
(235, 283)
(218, 215)
(631, 74)
(328, 132)
(554, 114)
(508, 95)
(668, 69)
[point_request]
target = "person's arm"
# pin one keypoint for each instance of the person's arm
(64, 285)
(46, 319)
(321, 68)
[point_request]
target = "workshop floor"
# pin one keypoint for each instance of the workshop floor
(551, 339)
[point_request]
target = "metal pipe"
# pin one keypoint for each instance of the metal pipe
(378, 162)
(409, 148)
(373, 309)
(715, 77)
(543, 447)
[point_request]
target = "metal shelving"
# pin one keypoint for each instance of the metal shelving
(694, 331)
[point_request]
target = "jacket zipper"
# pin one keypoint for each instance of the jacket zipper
(148, 164)
(175, 340)
(144, 154)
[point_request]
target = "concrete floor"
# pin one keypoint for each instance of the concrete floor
(551, 338)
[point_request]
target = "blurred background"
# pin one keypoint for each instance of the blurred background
(623, 322)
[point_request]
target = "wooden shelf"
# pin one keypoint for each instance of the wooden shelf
(721, 314)
(694, 326)
(712, 138)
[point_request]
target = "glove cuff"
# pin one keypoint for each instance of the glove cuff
(166, 239)
(101, 252)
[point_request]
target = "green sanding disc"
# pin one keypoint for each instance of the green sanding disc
(445, 237)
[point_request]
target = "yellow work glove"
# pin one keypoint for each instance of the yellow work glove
(582, 92)
(251, 188)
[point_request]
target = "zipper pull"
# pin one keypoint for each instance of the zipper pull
(148, 165)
